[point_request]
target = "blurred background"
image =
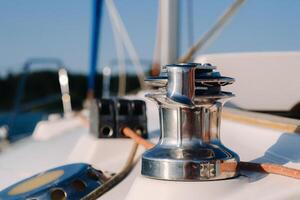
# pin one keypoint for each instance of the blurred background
(59, 31)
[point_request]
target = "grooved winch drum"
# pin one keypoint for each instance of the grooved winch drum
(190, 102)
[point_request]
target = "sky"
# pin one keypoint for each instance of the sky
(61, 29)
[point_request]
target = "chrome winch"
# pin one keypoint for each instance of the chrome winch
(190, 102)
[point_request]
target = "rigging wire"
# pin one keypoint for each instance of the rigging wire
(120, 27)
(121, 58)
(216, 28)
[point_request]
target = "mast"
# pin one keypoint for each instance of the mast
(95, 34)
(169, 16)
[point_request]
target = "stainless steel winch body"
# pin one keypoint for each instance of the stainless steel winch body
(190, 103)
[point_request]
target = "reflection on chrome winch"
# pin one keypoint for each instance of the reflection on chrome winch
(190, 102)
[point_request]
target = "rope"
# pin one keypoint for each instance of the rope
(233, 166)
(116, 179)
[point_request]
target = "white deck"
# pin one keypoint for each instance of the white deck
(74, 144)
(264, 80)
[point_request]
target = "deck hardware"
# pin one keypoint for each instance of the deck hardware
(190, 102)
(108, 117)
(73, 181)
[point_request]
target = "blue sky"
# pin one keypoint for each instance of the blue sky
(61, 28)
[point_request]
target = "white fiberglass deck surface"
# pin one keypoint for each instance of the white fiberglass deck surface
(252, 144)
(32, 155)
(72, 144)
(273, 77)
(75, 144)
